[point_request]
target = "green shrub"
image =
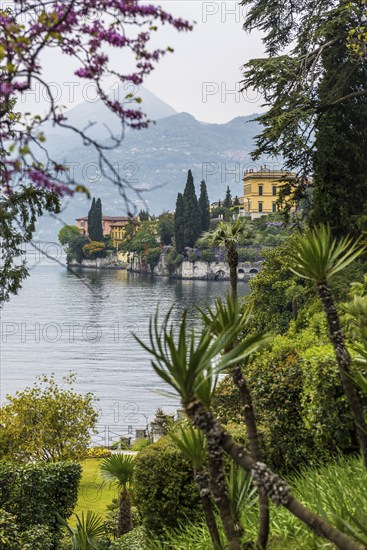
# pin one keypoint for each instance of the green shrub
(9, 531)
(178, 260)
(325, 409)
(192, 257)
(152, 257)
(248, 254)
(140, 444)
(208, 256)
(165, 490)
(35, 492)
(137, 539)
(300, 406)
(38, 537)
(98, 452)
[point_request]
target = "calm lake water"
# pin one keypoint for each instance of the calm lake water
(60, 323)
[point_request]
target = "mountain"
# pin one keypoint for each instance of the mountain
(156, 159)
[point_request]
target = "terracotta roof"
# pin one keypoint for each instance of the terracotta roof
(108, 218)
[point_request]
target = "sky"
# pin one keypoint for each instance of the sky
(202, 76)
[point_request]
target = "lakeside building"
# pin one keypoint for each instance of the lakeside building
(261, 191)
(111, 225)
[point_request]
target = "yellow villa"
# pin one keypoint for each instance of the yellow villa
(261, 190)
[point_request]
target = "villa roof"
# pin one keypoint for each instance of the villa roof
(108, 218)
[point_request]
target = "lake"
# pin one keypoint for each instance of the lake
(60, 322)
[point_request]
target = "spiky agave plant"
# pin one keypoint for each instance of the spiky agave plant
(191, 442)
(317, 256)
(119, 470)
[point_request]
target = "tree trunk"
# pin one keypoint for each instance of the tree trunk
(344, 361)
(250, 420)
(232, 256)
(124, 522)
(264, 478)
(203, 483)
(219, 491)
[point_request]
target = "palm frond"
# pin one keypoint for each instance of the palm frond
(118, 468)
(189, 362)
(317, 256)
(89, 530)
(191, 443)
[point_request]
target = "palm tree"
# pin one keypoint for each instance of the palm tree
(191, 443)
(226, 235)
(119, 469)
(88, 532)
(216, 319)
(317, 256)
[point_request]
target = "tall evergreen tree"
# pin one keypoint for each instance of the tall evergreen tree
(91, 215)
(227, 203)
(204, 207)
(236, 201)
(340, 161)
(179, 224)
(98, 221)
(314, 85)
(95, 230)
(192, 226)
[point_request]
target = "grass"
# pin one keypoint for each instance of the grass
(337, 491)
(93, 493)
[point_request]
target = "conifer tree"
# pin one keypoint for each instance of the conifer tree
(179, 224)
(95, 230)
(91, 215)
(227, 203)
(236, 201)
(192, 227)
(204, 207)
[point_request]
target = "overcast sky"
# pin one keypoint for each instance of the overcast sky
(201, 77)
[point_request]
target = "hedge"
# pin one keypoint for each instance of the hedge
(33, 493)
(164, 487)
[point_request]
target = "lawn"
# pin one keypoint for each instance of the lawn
(93, 493)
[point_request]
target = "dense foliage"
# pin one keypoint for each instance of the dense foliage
(34, 493)
(165, 491)
(47, 422)
(314, 88)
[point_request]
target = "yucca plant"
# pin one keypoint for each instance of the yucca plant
(317, 256)
(191, 442)
(241, 492)
(189, 361)
(88, 532)
(119, 470)
(216, 319)
(177, 361)
(226, 235)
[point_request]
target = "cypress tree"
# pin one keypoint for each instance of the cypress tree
(204, 207)
(227, 203)
(98, 221)
(179, 224)
(95, 230)
(236, 201)
(192, 226)
(91, 216)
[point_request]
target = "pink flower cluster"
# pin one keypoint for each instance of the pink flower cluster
(80, 29)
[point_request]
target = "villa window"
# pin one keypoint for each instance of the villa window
(274, 190)
(260, 206)
(260, 190)
(274, 206)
